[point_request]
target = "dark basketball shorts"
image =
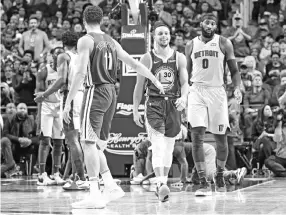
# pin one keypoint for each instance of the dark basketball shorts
(99, 104)
(162, 116)
(74, 113)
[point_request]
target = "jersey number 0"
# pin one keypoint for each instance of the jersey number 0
(205, 63)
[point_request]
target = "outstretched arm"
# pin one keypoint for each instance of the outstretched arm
(137, 66)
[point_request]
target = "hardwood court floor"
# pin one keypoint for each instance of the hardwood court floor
(255, 196)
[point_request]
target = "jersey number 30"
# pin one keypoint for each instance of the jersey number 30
(205, 63)
(108, 60)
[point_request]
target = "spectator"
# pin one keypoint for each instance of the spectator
(5, 95)
(28, 56)
(274, 26)
(282, 36)
(9, 112)
(277, 163)
(265, 51)
(179, 43)
(253, 100)
(239, 36)
(273, 70)
(15, 9)
(190, 32)
(163, 15)
(262, 134)
(278, 90)
(66, 25)
(19, 134)
(24, 84)
(34, 39)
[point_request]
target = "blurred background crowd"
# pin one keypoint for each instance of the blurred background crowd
(30, 29)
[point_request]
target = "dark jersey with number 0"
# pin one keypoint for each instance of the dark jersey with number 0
(168, 75)
(103, 61)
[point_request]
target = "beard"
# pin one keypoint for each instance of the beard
(206, 34)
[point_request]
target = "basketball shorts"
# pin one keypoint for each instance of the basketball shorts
(207, 107)
(162, 116)
(51, 120)
(74, 113)
(97, 112)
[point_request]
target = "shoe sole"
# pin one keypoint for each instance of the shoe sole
(202, 194)
(164, 193)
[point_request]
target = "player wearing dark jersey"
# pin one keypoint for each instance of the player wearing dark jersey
(162, 112)
(98, 54)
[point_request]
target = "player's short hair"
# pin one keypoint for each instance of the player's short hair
(69, 38)
(93, 15)
(210, 16)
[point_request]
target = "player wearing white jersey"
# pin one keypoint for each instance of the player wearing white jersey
(66, 64)
(51, 125)
(207, 56)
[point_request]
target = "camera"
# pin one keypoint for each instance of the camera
(115, 12)
(153, 16)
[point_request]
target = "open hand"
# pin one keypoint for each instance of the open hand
(238, 95)
(181, 103)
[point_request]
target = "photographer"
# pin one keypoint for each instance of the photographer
(277, 163)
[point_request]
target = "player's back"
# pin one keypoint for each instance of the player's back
(103, 60)
(72, 66)
(208, 62)
(52, 76)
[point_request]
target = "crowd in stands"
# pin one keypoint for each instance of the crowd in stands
(30, 29)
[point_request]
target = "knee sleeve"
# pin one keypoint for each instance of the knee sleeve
(158, 147)
(198, 140)
(168, 153)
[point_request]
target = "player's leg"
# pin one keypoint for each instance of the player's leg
(155, 126)
(91, 120)
(45, 141)
(72, 140)
(210, 159)
(198, 119)
(58, 137)
(111, 190)
(219, 123)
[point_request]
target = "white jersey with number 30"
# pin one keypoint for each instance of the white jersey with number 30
(208, 62)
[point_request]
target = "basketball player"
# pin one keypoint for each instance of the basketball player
(51, 125)
(183, 157)
(207, 101)
(98, 55)
(66, 65)
(162, 112)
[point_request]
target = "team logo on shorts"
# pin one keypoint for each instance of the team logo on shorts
(166, 77)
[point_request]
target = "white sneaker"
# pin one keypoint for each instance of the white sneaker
(44, 180)
(113, 193)
(56, 177)
(153, 180)
(83, 185)
(138, 178)
(90, 202)
(240, 173)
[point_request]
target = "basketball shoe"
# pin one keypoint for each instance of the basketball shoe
(162, 192)
(92, 201)
(44, 180)
(204, 189)
(58, 180)
(219, 182)
(112, 193)
(195, 177)
(240, 173)
(76, 185)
